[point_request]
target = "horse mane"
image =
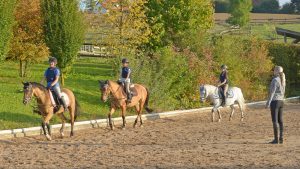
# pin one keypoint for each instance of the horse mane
(38, 85)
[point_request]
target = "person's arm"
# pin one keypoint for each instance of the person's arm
(129, 72)
(271, 93)
(57, 74)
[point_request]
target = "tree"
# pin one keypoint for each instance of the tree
(221, 6)
(28, 41)
(296, 5)
(128, 26)
(267, 6)
(6, 24)
(287, 8)
(240, 12)
(64, 31)
(169, 19)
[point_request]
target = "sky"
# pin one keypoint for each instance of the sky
(281, 2)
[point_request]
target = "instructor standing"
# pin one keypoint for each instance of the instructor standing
(275, 103)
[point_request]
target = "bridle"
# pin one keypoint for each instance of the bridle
(107, 86)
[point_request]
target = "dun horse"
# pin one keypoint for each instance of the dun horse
(212, 92)
(119, 100)
(46, 108)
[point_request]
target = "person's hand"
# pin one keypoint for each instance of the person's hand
(48, 87)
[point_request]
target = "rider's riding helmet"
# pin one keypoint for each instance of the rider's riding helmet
(125, 60)
(224, 67)
(53, 59)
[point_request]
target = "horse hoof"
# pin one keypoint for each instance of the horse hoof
(62, 135)
(123, 128)
(219, 120)
(141, 126)
(48, 137)
(242, 119)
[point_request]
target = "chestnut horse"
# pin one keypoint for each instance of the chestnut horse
(46, 109)
(118, 100)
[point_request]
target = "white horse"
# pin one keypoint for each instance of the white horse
(234, 95)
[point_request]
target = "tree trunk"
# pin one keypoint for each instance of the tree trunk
(21, 71)
(25, 68)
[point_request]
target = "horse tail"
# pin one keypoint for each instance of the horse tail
(77, 109)
(147, 102)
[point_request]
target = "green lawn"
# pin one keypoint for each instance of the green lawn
(83, 81)
(264, 31)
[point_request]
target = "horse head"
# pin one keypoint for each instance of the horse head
(104, 88)
(28, 92)
(203, 93)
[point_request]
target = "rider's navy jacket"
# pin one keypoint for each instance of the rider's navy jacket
(125, 72)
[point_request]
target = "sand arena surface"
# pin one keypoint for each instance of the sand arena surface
(189, 141)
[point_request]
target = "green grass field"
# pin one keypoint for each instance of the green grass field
(265, 31)
(83, 81)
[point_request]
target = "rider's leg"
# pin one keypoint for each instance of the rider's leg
(57, 91)
(127, 85)
(225, 90)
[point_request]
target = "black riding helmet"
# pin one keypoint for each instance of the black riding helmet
(125, 60)
(52, 59)
(224, 67)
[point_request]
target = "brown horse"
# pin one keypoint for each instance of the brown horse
(46, 109)
(118, 100)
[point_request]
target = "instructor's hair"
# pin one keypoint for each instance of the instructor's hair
(281, 74)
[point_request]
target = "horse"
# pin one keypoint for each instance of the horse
(212, 92)
(119, 100)
(46, 108)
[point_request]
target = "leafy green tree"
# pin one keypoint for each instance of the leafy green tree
(169, 19)
(296, 5)
(128, 27)
(240, 12)
(64, 31)
(28, 40)
(266, 6)
(6, 25)
(221, 6)
(287, 8)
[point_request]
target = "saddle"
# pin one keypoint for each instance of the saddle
(230, 93)
(56, 101)
(132, 89)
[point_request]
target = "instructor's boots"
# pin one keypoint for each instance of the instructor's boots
(280, 133)
(64, 103)
(276, 140)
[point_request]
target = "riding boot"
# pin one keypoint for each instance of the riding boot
(275, 128)
(129, 97)
(280, 133)
(64, 103)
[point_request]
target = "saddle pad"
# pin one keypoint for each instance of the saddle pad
(230, 94)
(63, 94)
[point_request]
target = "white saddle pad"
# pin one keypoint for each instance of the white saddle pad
(66, 97)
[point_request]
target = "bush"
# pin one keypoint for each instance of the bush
(287, 56)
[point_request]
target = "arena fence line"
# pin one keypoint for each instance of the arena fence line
(23, 132)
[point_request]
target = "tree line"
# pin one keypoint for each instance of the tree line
(261, 6)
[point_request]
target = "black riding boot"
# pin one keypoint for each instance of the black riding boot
(129, 97)
(280, 133)
(64, 103)
(275, 128)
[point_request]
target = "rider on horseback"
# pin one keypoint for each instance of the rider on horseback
(125, 78)
(223, 83)
(52, 76)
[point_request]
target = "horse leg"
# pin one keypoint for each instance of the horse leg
(46, 123)
(242, 111)
(232, 111)
(112, 110)
(123, 116)
(63, 121)
(137, 108)
(219, 115)
(140, 114)
(72, 119)
(213, 115)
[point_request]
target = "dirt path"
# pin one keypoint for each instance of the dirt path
(190, 141)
